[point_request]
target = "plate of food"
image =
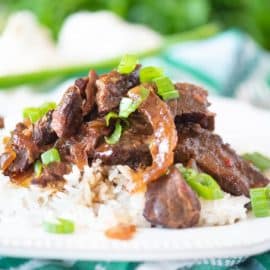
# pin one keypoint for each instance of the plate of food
(131, 166)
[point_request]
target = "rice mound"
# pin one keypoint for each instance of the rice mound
(98, 198)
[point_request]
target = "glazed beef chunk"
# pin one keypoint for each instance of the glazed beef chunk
(26, 150)
(171, 203)
(131, 150)
(43, 134)
(68, 116)
(235, 175)
(192, 106)
(112, 86)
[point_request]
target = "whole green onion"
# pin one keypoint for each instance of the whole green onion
(147, 74)
(260, 161)
(38, 168)
(47, 106)
(115, 136)
(50, 156)
(203, 184)
(260, 201)
(61, 226)
(127, 64)
(165, 88)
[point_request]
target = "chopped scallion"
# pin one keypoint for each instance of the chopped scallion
(115, 136)
(166, 88)
(260, 201)
(127, 64)
(60, 226)
(109, 116)
(47, 106)
(203, 184)
(260, 161)
(50, 156)
(147, 74)
(128, 105)
(38, 168)
(34, 114)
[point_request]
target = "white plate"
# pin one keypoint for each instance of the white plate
(247, 129)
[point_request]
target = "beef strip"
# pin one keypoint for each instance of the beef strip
(43, 134)
(235, 175)
(171, 203)
(2, 122)
(52, 174)
(191, 106)
(112, 86)
(68, 116)
(131, 150)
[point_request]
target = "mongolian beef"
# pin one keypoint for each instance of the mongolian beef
(133, 117)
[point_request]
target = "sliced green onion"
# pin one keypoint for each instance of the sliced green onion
(166, 88)
(38, 168)
(127, 64)
(147, 74)
(50, 156)
(260, 161)
(47, 106)
(115, 136)
(61, 226)
(260, 201)
(128, 105)
(34, 114)
(203, 184)
(109, 116)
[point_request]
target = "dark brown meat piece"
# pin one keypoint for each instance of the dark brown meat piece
(79, 148)
(88, 91)
(235, 175)
(171, 203)
(192, 106)
(131, 150)
(112, 86)
(68, 116)
(26, 150)
(43, 134)
(2, 122)
(52, 174)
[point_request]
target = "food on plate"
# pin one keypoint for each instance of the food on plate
(127, 149)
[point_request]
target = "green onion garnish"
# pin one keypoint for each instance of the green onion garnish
(166, 88)
(127, 64)
(203, 184)
(128, 105)
(50, 156)
(147, 74)
(115, 136)
(35, 113)
(47, 106)
(61, 226)
(260, 161)
(109, 116)
(260, 201)
(38, 168)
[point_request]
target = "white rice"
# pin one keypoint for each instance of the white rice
(98, 199)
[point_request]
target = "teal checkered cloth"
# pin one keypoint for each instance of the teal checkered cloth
(230, 64)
